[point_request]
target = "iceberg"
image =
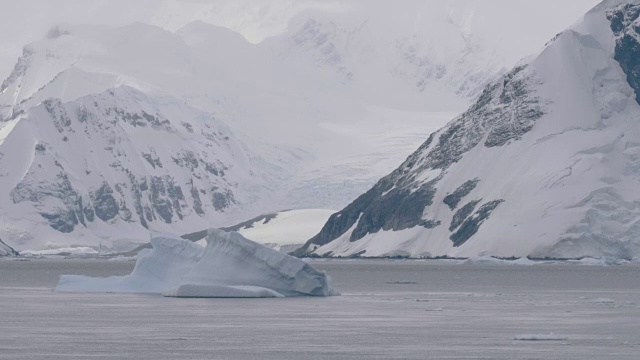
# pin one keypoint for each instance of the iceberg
(6, 250)
(230, 266)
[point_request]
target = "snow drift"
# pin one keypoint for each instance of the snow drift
(229, 266)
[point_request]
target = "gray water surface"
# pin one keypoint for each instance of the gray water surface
(388, 310)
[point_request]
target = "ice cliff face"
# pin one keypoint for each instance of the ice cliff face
(119, 160)
(545, 163)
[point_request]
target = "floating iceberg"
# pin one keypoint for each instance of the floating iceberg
(229, 266)
(6, 250)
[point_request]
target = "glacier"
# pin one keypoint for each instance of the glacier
(229, 266)
(543, 164)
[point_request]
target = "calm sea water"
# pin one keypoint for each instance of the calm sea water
(388, 310)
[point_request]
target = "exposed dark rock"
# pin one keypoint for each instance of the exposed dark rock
(508, 127)
(472, 224)
(174, 192)
(136, 192)
(465, 189)
(187, 160)
(222, 200)
(161, 204)
(123, 209)
(148, 212)
(89, 214)
(388, 206)
(212, 169)
(62, 220)
(21, 67)
(462, 214)
(80, 215)
(143, 119)
(627, 51)
(430, 224)
(156, 120)
(152, 159)
(144, 186)
(188, 126)
(58, 114)
(167, 199)
(104, 204)
(197, 202)
(83, 114)
(197, 236)
(263, 219)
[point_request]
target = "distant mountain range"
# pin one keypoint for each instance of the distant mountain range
(110, 133)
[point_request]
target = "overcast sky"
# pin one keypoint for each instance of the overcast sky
(24, 21)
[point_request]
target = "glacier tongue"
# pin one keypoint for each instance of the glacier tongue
(229, 266)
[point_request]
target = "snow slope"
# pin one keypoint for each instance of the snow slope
(544, 163)
(229, 266)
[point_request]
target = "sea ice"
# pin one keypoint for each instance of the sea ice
(229, 266)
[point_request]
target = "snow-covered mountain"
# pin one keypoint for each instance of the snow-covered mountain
(544, 163)
(105, 133)
(114, 165)
(330, 105)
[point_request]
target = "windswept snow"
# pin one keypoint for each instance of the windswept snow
(229, 266)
